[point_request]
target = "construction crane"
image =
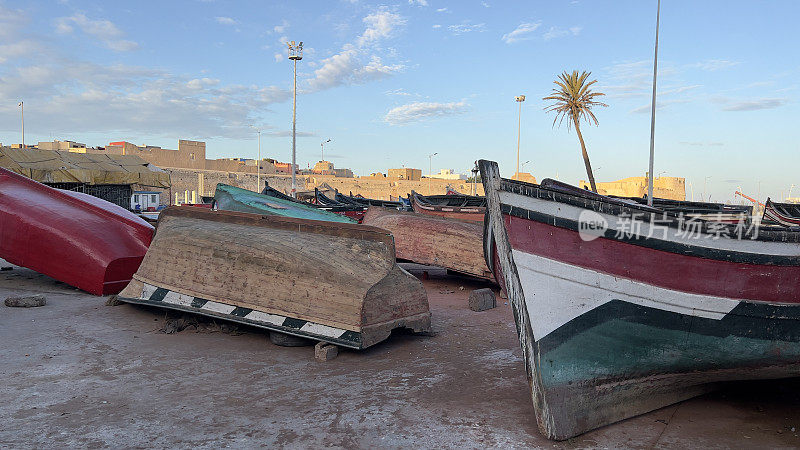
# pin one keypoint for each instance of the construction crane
(750, 198)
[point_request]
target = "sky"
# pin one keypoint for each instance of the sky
(392, 83)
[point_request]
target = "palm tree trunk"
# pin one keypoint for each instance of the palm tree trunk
(585, 155)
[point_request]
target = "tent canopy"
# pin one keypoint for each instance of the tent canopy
(50, 166)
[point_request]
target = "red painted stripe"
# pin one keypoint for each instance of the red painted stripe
(780, 284)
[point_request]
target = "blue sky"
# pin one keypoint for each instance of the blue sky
(391, 83)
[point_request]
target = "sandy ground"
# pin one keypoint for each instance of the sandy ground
(77, 373)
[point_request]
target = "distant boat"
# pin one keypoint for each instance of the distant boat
(367, 202)
(453, 206)
(453, 244)
(617, 317)
(76, 238)
(784, 214)
(230, 198)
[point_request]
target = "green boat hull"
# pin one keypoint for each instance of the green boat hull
(229, 198)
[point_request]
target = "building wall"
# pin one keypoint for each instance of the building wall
(204, 182)
(672, 188)
(406, 174)
(386, 187)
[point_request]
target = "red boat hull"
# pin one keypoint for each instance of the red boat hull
(75, 238)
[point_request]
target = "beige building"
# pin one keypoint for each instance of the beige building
(449, 174)
(672, 188)
(406, 173)
(64, 146)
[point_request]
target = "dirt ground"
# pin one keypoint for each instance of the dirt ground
(77, 373)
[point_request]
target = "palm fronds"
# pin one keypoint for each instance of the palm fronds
(573, 98)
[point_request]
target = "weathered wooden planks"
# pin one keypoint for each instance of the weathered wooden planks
(323, 273)
(453, 244)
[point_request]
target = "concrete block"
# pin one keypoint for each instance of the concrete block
(482, 299)
(324, 351)
(28, 301)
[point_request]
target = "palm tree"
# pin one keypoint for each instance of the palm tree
(574, 98)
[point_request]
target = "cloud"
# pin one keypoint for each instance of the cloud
(104, 30)
(418, 2)
(660, 105)
(398, 91)
(18, 49)
(701, 144)
(467, 27)
(380, 25)
(485, 5)
(280, 29)
(437, 26)
(556, 32)
(441, 10)
(130, 99)
(287, 133)
(754, 105)
(278, 57)
(714, 64)
(521, 33)
(413, 112)
(348, 67)
(225, 20)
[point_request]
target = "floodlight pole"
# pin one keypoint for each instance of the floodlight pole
(22, 116)
(322, 145)
(430, 171)
(519, 99)
(295, 54)
(653, 114)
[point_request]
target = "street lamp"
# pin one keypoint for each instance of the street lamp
(475, 171)
(519, 99)
(295, 54)
(22, 115)
(430, 171)
(523, 164)
(258, 163)
(323, 148)
(705, 180)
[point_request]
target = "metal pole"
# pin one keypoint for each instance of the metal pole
(519, 128)
(653, 114)
(22, 114)
(258, 163)
(294, 133)
(430, 171)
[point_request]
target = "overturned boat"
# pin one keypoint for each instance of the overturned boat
(622, 309)
(783, 214)
(452, 206)
(230, 198)
(333, 282)
(76, 238)
(437, 241)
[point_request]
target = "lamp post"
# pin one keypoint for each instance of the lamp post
(323, 148)
(295, 54)
(475, 171)
(653, 113)
(430, 171)
(258, 163)
(523, 164)
(519, 99)
(705, 180)
(22, 116)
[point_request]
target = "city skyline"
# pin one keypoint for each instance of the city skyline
(392, 83)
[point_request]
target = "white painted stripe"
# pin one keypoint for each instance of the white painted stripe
(218, 307)
(322, 330)
(556, 293)
(263, 317)
(177, 298)
(570, 212)
(147, 291)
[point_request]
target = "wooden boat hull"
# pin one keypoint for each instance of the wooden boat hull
(230, 198)
(613, 325)
(438, 241)
(472, 213)
(334, 282)
(73, 237)
(783, 214)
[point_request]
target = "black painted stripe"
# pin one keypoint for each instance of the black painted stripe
(159, 294)
(294, 323)
(748, 319)
(351, 336)
(198, 302)
(241, 312)
(659, 244)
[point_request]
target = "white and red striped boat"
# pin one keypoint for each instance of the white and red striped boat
(622, 309)
(785, 214)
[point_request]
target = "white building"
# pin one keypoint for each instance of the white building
(448, 174)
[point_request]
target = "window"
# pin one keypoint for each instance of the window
(153, 198)
(191, 155)
(136, 198)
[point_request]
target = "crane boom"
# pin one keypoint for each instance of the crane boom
(750, 198)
